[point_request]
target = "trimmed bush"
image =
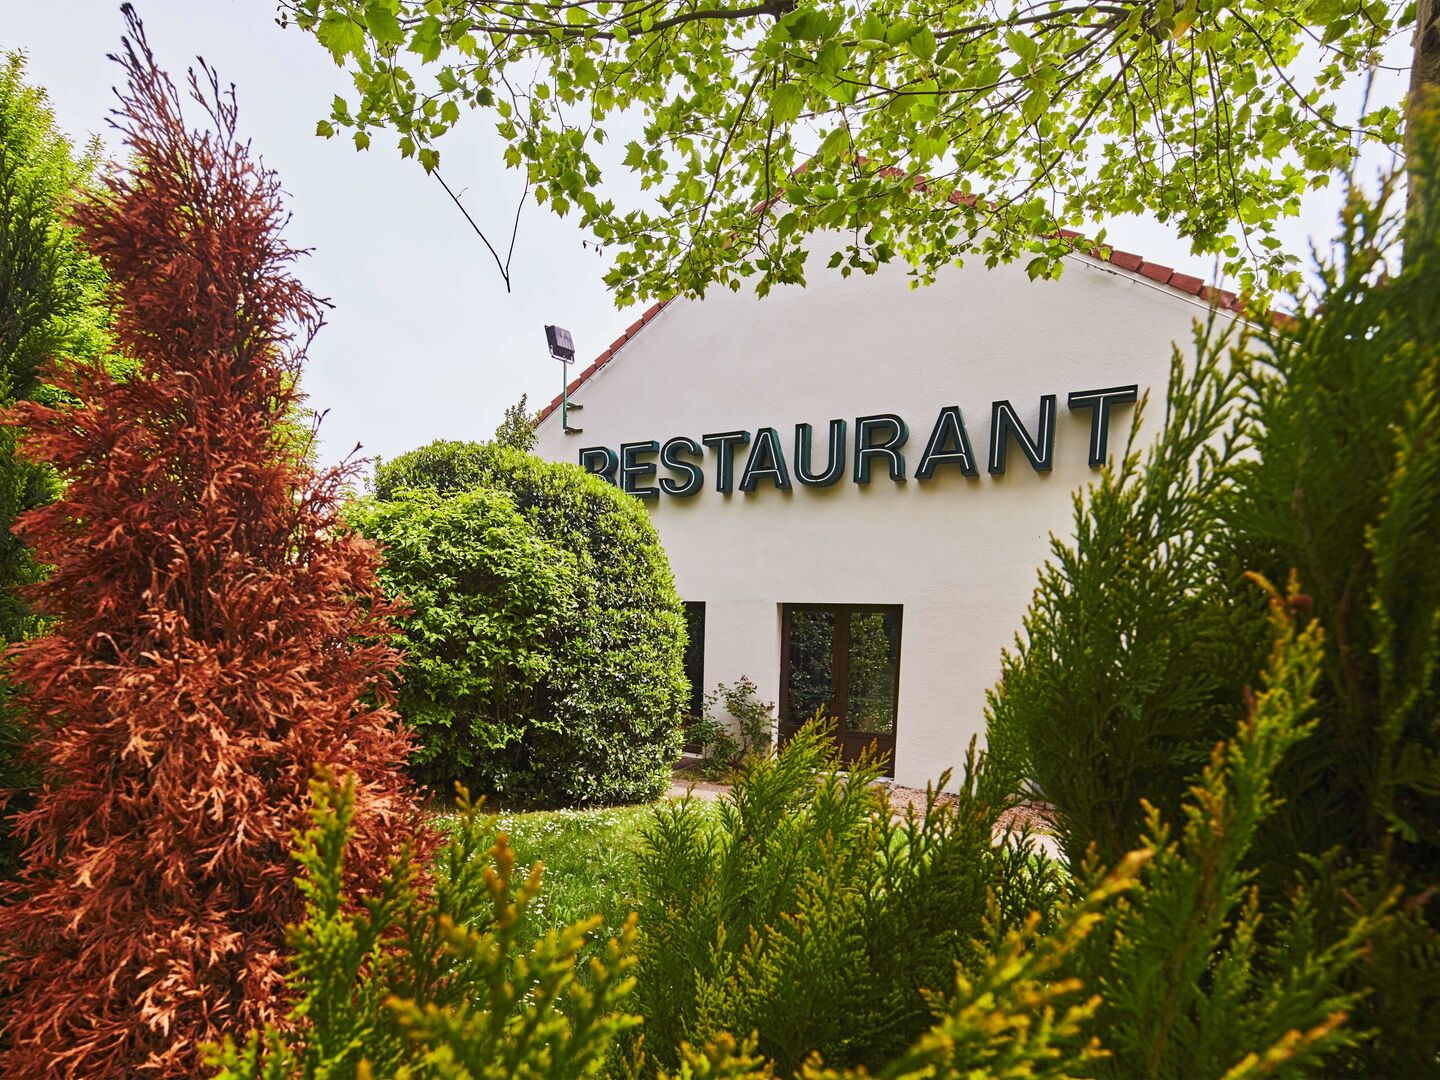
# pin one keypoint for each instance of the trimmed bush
(604, 720)
(485, 595)
(443, 466)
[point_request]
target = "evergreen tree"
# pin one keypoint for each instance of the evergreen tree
(50, 296)
(213, 633)
(517, 427)
(1337, 412)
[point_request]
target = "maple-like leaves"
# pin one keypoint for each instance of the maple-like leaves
(215, 631)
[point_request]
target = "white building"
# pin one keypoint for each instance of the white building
(885, 587)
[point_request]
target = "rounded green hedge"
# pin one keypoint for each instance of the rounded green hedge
(484, 594)
(597, 639)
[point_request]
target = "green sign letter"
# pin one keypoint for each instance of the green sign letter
(724, 443)
(1100, 401)
(835, 463)
(1039, 451)
(948, 445)
(694, 478)
(601, 461)
(766, 461)
(893, 432)
(630, 469)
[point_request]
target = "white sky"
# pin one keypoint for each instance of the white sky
(424, 341)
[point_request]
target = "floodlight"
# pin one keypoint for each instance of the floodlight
(562, 348)
(562, 345)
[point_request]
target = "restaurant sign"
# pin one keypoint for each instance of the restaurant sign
(874, 444)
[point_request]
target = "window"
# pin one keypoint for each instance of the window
(695, 660)
(844, 658)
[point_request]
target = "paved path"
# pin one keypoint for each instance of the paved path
(900, 798)
(709, 790)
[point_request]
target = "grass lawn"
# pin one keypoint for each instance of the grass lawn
(591, 863)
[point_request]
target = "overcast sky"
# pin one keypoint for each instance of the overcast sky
(424, 341)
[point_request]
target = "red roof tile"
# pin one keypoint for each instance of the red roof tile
(1123, 259)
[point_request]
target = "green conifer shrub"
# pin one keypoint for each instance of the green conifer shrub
(759, 943)
(1321, 456)
(1188, 984)
(808, 932)
(484, 595)
(811, 915)
(604, 724)
(426, 978)
(1126, 674)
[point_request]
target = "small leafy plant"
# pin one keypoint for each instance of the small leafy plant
(724, 743)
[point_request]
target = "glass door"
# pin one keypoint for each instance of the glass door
(845, 659)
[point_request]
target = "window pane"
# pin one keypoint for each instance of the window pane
(874, 666)
(812, 637)
(695, 655)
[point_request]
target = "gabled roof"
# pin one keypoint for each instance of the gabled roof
(1122, 260)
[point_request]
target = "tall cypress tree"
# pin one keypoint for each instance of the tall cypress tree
(213, 631)
(1312, 448)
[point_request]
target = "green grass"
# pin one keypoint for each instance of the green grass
(591, 864)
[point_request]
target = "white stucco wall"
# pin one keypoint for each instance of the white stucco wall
(960, 554)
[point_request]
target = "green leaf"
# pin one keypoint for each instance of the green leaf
(1034, 105)
(342, 35)
(786, 103)
(831, 58)
(922, 45)
(836, 143)
(1022, 45)
(806, 24)
(380, 20)
(426, 40)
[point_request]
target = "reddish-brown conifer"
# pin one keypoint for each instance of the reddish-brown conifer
(216, 633)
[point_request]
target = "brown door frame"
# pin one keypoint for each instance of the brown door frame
(850, 741)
